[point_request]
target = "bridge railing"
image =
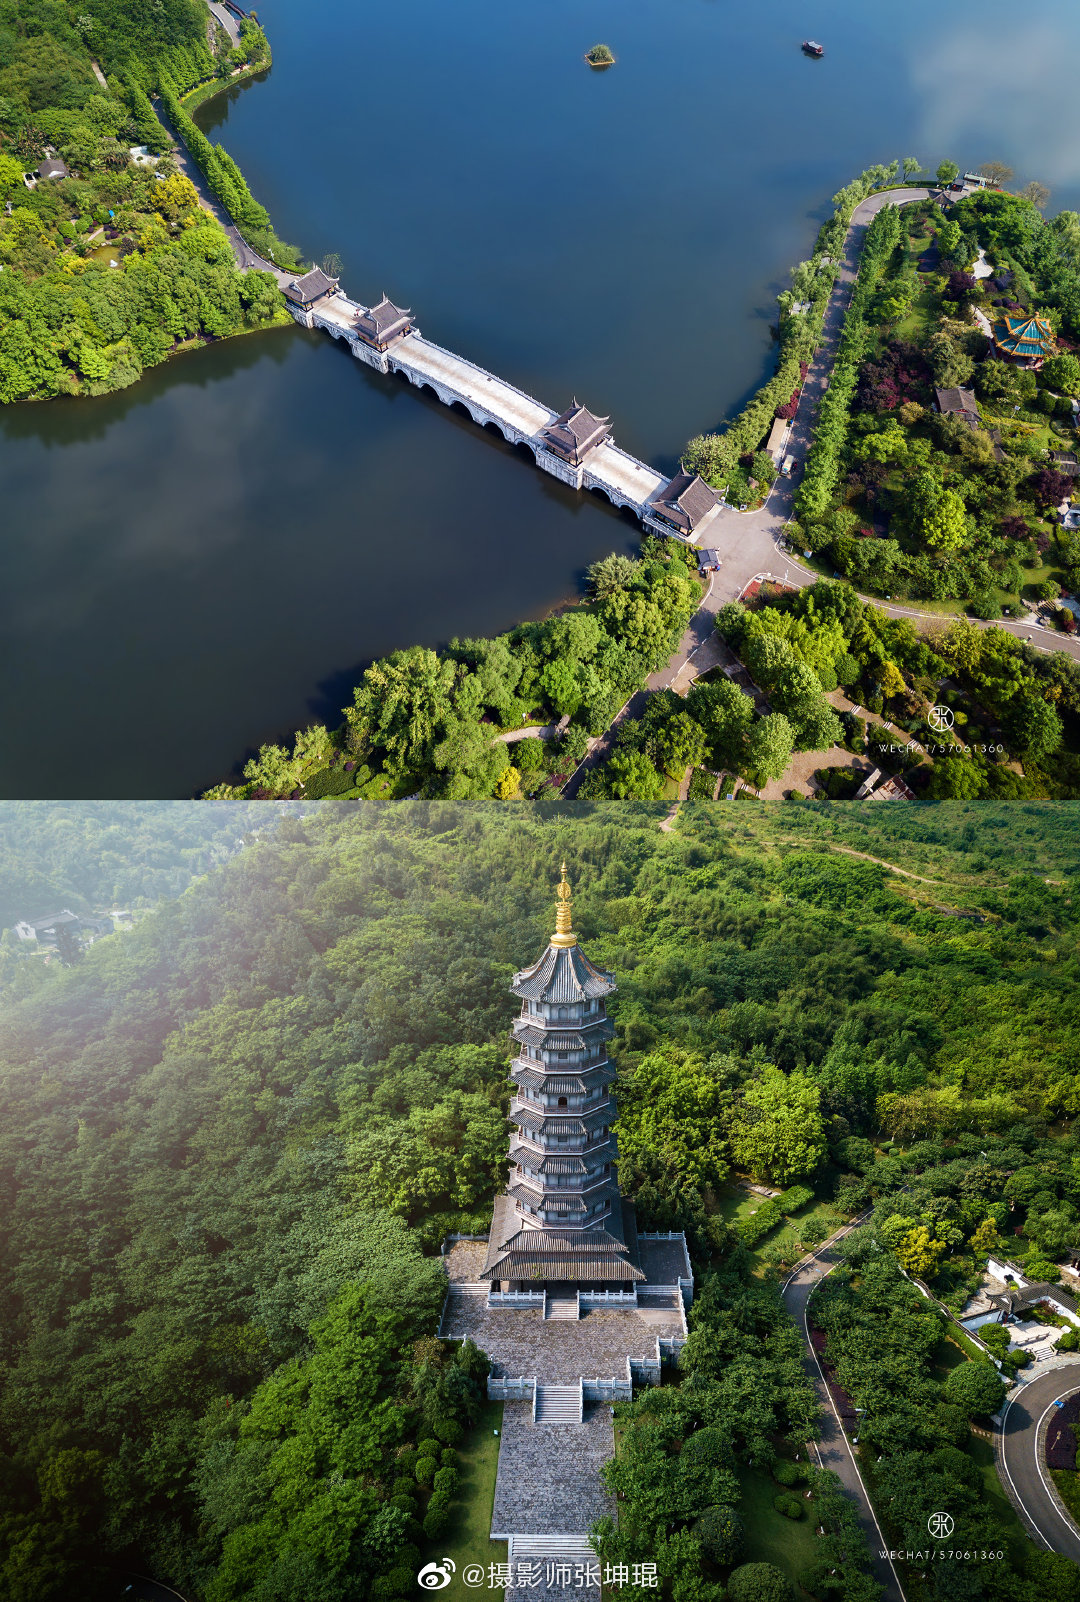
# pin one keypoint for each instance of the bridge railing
(482, 371)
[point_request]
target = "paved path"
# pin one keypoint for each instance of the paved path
(1020, 1457)
(833, 1449)
(226, 19)
(246, 258)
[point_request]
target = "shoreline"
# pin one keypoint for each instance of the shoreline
(194, 98)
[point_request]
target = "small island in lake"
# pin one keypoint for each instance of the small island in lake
(600, 56)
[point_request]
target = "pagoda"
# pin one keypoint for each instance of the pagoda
(561, 1223)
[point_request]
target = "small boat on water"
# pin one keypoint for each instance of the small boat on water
(810, 48)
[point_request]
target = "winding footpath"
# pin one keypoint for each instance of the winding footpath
(833, 1447)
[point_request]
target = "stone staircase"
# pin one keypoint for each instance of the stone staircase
(561, 1306)
(558, 1404)
(557, 1548)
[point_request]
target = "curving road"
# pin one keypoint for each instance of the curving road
(1023, 1471)
(833, 1448)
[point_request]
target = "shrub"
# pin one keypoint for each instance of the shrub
(785, 1473)
(406, 1457)
(759, 1582)
(448, 1430)
(755, 1228)
(425, 1471)
(404, 1485)
(448, 1457)
(709, 1446)
(1068, 1341)
(401, 1580)
(328, 781)
(720, 1532)
(976, 1388)
(446, 1481)
(788, 1505)
(437, 1517)
(428, 1447)
(818, 1580)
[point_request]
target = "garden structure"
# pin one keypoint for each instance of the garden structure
(571, 1304)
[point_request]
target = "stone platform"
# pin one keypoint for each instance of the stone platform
(559, 1352)
(549, 1476)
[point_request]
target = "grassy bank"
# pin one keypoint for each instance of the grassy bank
(468, 1539)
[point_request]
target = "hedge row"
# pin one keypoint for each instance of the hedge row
(715, 455)
(218, 167)
(815, 492)
(754, 1229)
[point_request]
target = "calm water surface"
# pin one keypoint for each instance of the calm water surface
(209, 559)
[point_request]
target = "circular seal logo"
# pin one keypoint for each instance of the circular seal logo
(940, 720)
(940, 1525)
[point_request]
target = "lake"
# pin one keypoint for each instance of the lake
(208, 560)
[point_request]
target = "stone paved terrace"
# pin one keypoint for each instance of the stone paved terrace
(464, 1261)
(549, 1475)
(662, 1261)
(519, 1341)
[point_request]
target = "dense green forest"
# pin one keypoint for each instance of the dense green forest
(426, 722)
(114, 264)
(231, 1141)
(92, 855)
(911, 501)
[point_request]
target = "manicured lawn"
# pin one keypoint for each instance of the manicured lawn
(467, 1540)
(735, 1206)
(824, 1214)
(790, 1544)
(986, 1462)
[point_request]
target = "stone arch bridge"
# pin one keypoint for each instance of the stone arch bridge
(573, 446)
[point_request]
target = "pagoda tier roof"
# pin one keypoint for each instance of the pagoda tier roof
(562, 1254)
(560, 1162)
(686, 500)
(549, 1164)
(553, 1207)
(549, 1123)
(550, 1084)
(563, 973)
(516, 1265)
(1024, 336)
(556, 1037)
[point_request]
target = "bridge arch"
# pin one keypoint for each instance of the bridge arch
(598, 489)
(493, 427)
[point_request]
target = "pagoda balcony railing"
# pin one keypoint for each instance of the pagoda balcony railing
(570, 1059)
(564, 1145)
(578, 1183)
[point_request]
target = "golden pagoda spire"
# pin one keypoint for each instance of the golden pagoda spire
(564, 934)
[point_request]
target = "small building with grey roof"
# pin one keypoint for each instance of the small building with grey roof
(575, 433)
(382, 324)
(685, 503)
(311, 288)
